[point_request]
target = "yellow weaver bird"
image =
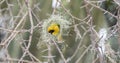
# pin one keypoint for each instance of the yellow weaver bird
(54, 29)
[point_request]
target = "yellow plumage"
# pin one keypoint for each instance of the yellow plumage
(54, 29)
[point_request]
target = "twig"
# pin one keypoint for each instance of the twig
(31, 32)
(61, 54)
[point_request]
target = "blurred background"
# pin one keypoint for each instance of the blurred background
(93, 36)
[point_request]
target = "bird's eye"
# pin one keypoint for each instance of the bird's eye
(51, 31)
(59, 26)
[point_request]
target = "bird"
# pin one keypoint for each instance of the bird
(54, 29)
